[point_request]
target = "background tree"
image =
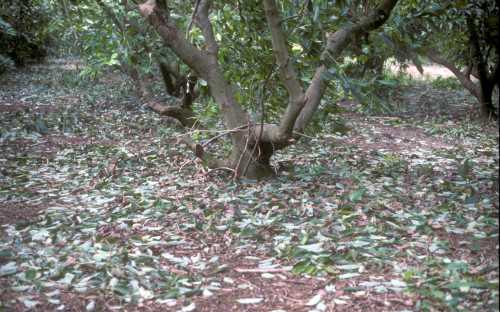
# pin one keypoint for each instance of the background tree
(462, 36)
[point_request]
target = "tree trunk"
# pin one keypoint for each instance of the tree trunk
(252, 161)
(487, 80)
(488, 110)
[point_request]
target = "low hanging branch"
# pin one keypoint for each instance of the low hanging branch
(463, 77)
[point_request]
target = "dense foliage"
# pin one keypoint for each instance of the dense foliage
(24, 32)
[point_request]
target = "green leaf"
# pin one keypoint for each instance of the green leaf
(357, 195)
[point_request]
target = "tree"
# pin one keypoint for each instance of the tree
(462, 36)
(254, 141)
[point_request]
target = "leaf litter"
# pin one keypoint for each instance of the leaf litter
(400, 214)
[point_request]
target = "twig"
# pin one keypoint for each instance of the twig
(193, 16)
(304, 135)
(186, 163)
(221, 168)
(224, 133)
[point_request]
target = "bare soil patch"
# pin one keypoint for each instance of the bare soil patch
(11, 213)
(385, 138)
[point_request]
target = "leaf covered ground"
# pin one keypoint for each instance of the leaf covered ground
(102, 209)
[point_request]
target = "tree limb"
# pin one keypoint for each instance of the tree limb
(461, 76)
(202, 20)
(335, 45)
(182, 113)
(287, 71)
(203, 63)
(174, 39)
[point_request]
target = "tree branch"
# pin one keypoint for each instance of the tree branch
(203, 63)
(174, 39)
(336, 43)
(287, 71)
(182, 113)
(461, 76)
(202, 20)
(167, 75)
(207, 158)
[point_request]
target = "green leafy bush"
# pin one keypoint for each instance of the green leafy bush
(24, 32)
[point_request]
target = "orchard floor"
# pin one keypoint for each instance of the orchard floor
(101, 209)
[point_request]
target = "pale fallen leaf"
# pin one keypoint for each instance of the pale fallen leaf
(250, 300)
